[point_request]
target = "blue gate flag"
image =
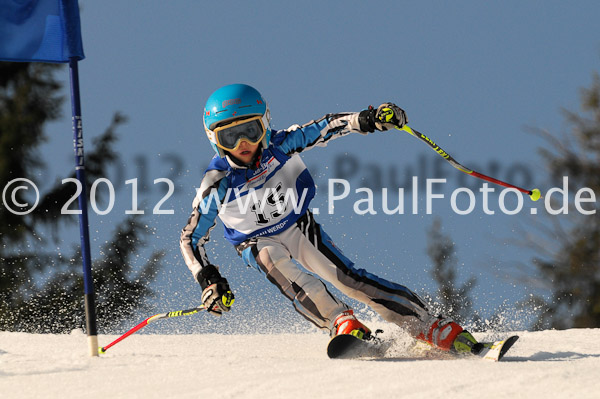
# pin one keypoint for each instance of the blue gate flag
(40, 31)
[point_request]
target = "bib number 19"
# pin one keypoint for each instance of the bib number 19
(271, 208)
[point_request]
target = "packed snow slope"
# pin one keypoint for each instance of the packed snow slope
(548, 364)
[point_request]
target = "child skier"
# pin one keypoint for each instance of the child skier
(255, 163)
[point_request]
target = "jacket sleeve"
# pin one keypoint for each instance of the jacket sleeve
(298, 138)
(205, 208)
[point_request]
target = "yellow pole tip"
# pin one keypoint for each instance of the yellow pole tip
(535, 194)
(101, 350)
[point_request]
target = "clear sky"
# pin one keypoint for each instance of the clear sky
(472, 75)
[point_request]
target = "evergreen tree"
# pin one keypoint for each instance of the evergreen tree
(454, 300)
(572, 269)
(41, 290)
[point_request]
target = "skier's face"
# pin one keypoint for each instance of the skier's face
(245, 152)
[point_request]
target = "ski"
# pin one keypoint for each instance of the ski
(346, 346)
(495, 351)
(492, 351)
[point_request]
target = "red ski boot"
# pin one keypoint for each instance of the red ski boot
(347, 323)
(441, 333)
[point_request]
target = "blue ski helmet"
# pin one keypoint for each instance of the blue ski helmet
(232, 102)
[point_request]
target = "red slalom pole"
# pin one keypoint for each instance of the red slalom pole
(149, 320)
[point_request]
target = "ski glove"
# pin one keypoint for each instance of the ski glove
(216, 294)
(386, 116)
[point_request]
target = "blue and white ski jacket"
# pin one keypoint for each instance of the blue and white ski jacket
(264, 201)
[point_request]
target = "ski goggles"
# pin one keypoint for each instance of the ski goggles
(230, 136)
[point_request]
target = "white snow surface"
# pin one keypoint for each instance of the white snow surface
(548, 364)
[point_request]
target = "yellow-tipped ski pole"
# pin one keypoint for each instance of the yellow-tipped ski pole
(533, 194)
